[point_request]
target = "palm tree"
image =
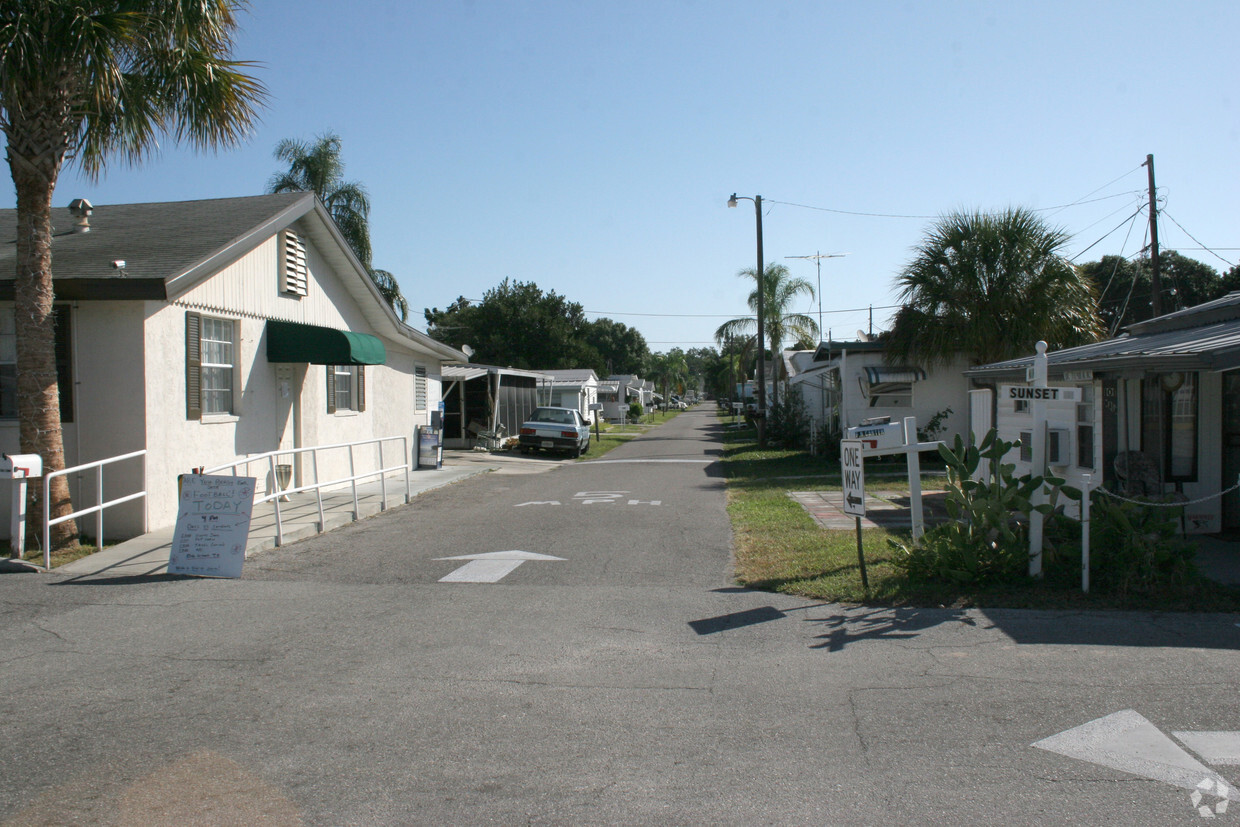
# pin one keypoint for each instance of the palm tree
(670, 370)
(989, 286)
(86, 81)
(780, 291)
(319, 168)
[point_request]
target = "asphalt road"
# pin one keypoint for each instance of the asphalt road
(343, 680)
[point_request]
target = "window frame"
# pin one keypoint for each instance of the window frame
(1160, 400)
(356, 389)
(196, 366)
(1085, 429)
(62, 315)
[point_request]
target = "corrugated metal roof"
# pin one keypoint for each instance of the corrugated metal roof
(454, 373)
(1214, 347)
(473, 371)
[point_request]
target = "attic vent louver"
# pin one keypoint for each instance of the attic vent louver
(81, 209)
(295, 273)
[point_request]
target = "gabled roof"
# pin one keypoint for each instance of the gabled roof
(572, 377)
(1205, 337)
(168, 247)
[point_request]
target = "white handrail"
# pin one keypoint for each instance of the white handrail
(274, 497)
(96, 509)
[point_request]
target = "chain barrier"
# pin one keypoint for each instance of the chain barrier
(1175, 504)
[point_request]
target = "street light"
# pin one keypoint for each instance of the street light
(761, 416)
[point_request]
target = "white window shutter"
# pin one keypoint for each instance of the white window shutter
(294, 272)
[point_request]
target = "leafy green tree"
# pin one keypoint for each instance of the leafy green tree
(86, 81)
(318, 167)
(1230, 280)
(701, 362)
(989, 286)
(780, 292)
(622, 348)
(1124, 286)
(518, 325)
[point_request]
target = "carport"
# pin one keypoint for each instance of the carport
(486, 399)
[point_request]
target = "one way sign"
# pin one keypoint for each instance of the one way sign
(853, 471)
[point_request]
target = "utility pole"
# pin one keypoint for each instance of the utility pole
(1155, 276)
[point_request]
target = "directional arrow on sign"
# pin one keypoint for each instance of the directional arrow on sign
(491, 566)
(854, 501)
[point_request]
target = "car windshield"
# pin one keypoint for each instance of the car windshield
(554, 415)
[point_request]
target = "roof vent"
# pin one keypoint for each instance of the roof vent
(81, 209)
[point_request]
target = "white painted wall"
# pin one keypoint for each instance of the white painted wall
(1203, 517)
(129, 365)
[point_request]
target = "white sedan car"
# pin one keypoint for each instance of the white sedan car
(555, 429)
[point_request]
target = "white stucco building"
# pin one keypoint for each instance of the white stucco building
(205, 331)
(843, 383)
(1164, 395)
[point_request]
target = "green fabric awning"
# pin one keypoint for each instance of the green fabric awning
(292, 342)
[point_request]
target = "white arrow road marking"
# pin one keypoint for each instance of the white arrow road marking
(491, 566)
(1222, 749)
(1126, 741)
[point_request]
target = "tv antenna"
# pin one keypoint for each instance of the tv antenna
(817, 259)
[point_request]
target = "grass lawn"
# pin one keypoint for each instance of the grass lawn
(59, 558)
(779, 547)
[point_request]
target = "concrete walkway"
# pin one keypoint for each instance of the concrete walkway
(148, 555)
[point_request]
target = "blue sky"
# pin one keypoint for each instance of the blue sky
(590, 147)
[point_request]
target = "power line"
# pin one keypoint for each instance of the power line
(1099, 241)
(1194, 238)
(932, 217)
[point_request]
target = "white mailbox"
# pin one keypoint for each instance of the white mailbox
(879, 432)
(20, 466)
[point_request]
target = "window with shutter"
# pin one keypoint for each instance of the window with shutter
(193, 366)
(210, 365)
(294, 272)
(346, 388)
(63, 343)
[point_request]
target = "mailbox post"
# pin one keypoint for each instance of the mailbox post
(19, 468)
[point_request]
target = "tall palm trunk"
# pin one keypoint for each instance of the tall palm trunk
(38, 400)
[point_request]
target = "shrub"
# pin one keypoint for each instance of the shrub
(788, 424)
(636, 411)
(983, 542)
(1136, 549)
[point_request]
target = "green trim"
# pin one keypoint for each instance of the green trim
(311, 344)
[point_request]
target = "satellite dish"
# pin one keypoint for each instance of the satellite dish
(467, 350)
(862, 336)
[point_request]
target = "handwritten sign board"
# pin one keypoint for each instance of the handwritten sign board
(213, 525)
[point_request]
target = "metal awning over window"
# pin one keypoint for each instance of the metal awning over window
(311, 344)
(878, 376)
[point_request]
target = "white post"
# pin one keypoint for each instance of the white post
(17, 527)
(1089, 482)
(914, 476)
(1038, 464)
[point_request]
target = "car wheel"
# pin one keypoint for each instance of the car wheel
(576, 452)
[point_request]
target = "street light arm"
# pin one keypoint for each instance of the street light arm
(757, 207)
